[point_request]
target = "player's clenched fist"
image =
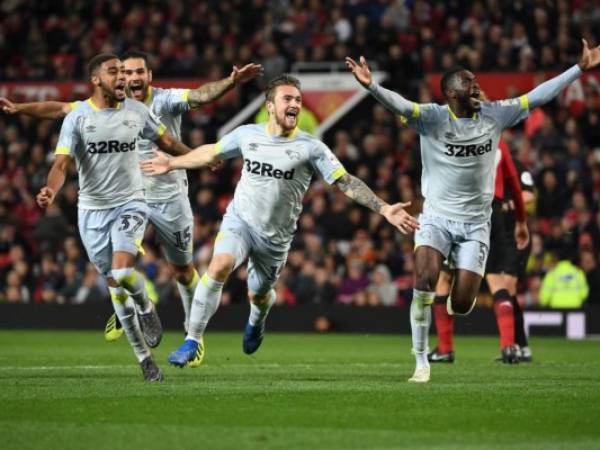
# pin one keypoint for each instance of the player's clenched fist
(7, 106)
(45, 197)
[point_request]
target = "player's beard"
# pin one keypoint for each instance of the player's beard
(285, 123)
(110, 94)
(467, 103)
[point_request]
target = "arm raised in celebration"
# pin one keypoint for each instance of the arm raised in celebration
(390, 99)
(211, 91)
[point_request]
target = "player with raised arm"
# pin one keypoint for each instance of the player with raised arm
(498, 265)
(458, 146)
(279, 162)
(102, 135)
(167, 195)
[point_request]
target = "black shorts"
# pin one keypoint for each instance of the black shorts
(516, 260)
(497, 259)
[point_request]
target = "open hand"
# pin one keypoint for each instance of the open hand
(590, 57)
(397, 216)
(155, 166)
(246, 73)
(361, 70)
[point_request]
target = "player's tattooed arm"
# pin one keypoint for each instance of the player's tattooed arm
(39, 110)
(168, 144)
(357, 190)
(211, 91)
(395, 214)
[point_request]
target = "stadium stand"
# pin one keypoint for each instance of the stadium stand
(342, 253)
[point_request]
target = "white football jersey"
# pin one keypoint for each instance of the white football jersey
(104, 144)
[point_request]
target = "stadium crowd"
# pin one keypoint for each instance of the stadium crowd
(342, 253)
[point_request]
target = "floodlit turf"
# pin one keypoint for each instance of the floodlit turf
(71, 390)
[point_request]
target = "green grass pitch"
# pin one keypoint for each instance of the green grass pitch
(71, 390)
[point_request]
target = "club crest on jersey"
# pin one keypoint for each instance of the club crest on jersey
(90, 129)
(252, 147)
(293, 154)
(130, 124)
(449, 135)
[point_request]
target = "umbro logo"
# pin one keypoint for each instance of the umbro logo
(293, 154)
(90, 129)
(252, 147)
(449, 135)
(130, 123)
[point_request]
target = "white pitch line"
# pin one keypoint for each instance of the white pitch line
(213, 365)
(62, 367)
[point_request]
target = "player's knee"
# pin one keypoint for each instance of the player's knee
(462, 304)
(461, 307)
(425, 281)
(124, 277)
(183, 274)
(220, 267)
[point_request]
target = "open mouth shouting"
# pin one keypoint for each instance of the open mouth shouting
(476, 99)
(120, 90)
(291, 116)
(136, 88)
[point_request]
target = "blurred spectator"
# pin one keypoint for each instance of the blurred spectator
(589, 264)
(564, 286)
(353, 288)
(382, 290)
(93, 287)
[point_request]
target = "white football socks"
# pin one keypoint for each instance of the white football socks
(187, 295)
(133, 282)
(420, 319)
(205, 304)
(125, 310)
(258, 313)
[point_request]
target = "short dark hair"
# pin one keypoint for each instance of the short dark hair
(136, 54)
(98, 60)
(448, 77)
(280, 80)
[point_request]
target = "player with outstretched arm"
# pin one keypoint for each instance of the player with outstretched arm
(279, 162)
(458, 149)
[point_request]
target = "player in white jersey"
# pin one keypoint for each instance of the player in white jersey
(102, 136)
(279, 162)
(167, 195)
(458, 145)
